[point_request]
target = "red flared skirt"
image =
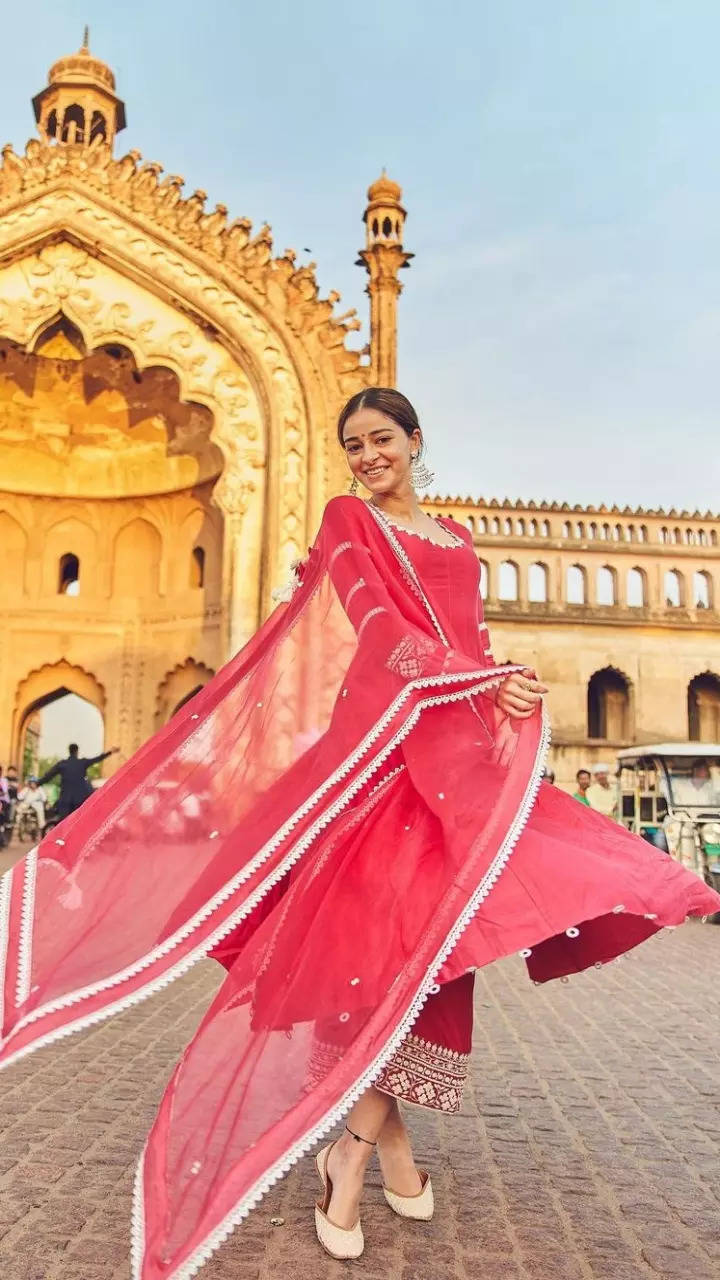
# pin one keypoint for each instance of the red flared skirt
(578, 891)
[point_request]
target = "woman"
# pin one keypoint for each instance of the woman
(373, 829)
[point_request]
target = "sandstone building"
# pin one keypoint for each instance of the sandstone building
(168, 395)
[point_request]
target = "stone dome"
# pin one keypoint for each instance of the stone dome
(384, 190)
(82, 68)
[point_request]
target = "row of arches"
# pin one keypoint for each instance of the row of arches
(69, 584)
(72, 125)
(586, 531)
(688, 537)
(132, 564)
(679, 590)
(68, 689)
(610, 708)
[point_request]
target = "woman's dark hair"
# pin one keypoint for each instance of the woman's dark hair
(386, 400)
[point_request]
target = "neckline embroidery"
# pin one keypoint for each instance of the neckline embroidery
(456, 543)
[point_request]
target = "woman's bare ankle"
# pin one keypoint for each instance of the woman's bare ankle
(398, 1163)
(356, 1154)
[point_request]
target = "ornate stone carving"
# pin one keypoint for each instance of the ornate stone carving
(138, 189)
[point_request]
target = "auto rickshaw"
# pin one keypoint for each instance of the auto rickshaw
(669, 793)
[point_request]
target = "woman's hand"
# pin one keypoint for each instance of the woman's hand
(520, 694)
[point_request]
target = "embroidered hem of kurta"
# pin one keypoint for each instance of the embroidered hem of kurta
(427, 1074)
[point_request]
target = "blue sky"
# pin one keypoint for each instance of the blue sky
(560, 325)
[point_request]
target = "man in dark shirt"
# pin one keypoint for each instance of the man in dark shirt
(74, 786)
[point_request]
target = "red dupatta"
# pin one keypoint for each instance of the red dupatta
(305, 844)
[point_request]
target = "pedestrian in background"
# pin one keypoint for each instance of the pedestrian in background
(582, 780)
(75, 787)
(601, 794)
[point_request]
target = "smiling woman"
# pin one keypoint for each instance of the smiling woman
(354, 821)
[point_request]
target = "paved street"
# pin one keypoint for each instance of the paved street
(588, 1146)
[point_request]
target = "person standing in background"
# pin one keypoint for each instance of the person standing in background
(32, 796)
(582, 780)
(601, 795)
(12, 782)
(74, 785)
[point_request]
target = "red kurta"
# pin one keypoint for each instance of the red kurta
(350, 824)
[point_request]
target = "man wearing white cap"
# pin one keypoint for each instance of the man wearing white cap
(601, 793)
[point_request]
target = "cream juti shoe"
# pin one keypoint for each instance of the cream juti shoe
(420, 1207)
(339, 1242)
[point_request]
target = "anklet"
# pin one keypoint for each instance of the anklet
(357, 1137)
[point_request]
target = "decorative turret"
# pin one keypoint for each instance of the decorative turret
(79, 106)
(383, 257)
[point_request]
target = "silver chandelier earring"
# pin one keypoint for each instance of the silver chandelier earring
(421, 475)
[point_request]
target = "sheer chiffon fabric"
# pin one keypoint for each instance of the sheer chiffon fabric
(341, 826)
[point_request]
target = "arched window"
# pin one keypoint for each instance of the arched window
(533, 529)
(546, 528)
(636, 594)
(618, 533)
(507, 527)
(579, 529)
(605, 533)
(713, 537)
(592, 531)
(51, 126)
(576, 585)
(567, 531)
(495, 526)
(520, 528)
(642, 533)
(73, 129)
(197, 567)
(608, 705)
(690, 537)
(98, 126)
(470, 523)
(482, 525)
(606, 586)
(704, 708)
(508, 581)
(484, 579)
(538, 583)
(676, 536)
(702, 590)
(664, 535)
(673, 589)
(69, 575)
(631, 533)
(702, 538)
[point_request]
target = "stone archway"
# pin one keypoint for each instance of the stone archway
(63, 281)
(609, 706)
(704, 708)
(226, 355)
(178, 686)
(43, 686)
(97, 257)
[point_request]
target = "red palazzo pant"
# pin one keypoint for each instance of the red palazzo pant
(430, 1067)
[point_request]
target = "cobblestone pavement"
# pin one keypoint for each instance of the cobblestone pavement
(588, 1146)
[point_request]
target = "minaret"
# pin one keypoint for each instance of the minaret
(79, 106)
(382, 258)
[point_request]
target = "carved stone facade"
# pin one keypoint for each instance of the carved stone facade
(618, 611)
(168, 396)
